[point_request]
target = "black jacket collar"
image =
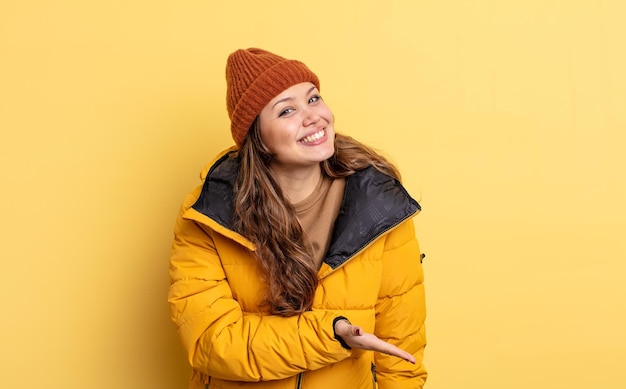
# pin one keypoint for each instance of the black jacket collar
(373, 204)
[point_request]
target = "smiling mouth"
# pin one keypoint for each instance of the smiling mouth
(313, 137)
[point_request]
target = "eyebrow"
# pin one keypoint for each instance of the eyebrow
(291, 97)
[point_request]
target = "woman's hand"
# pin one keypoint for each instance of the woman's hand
(355, 337)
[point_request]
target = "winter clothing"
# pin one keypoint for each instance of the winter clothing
(371, 275)
(253, 78)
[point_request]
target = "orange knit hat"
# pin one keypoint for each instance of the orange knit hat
(253, 78)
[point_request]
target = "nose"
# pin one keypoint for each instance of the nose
(310, 116)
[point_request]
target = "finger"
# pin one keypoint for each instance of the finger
(408, 357)
(397, 352)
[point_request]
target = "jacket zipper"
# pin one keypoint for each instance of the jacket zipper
(373, 376)
(299, 381)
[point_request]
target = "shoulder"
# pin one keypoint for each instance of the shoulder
(372, 188)
(223, 160)
(219, 163)
(214, 198)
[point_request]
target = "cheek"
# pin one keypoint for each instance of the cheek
(326, 113)
(276, 137)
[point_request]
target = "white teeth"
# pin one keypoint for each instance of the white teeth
(313, 137)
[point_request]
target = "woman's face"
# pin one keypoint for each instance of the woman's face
(297, 127)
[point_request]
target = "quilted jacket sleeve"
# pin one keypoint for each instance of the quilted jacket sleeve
(400, 310)
(226, 343)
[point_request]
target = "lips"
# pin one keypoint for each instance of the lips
(313, 137)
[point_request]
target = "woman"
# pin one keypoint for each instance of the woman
(295, 233)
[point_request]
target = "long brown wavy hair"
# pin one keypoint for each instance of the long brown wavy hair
(267, 219)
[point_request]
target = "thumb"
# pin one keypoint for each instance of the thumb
(356, 331)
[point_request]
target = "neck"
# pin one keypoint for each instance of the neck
(297, 184)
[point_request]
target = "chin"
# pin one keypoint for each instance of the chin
(327, 154)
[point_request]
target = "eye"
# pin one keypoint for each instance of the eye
(315, 99)
(285, 111)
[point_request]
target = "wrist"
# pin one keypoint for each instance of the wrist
(337, 337)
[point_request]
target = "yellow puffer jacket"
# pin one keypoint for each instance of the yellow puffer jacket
(372, 275)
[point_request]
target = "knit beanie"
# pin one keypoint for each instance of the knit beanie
(253, 78)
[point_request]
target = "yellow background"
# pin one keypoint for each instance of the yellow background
(507, 119)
